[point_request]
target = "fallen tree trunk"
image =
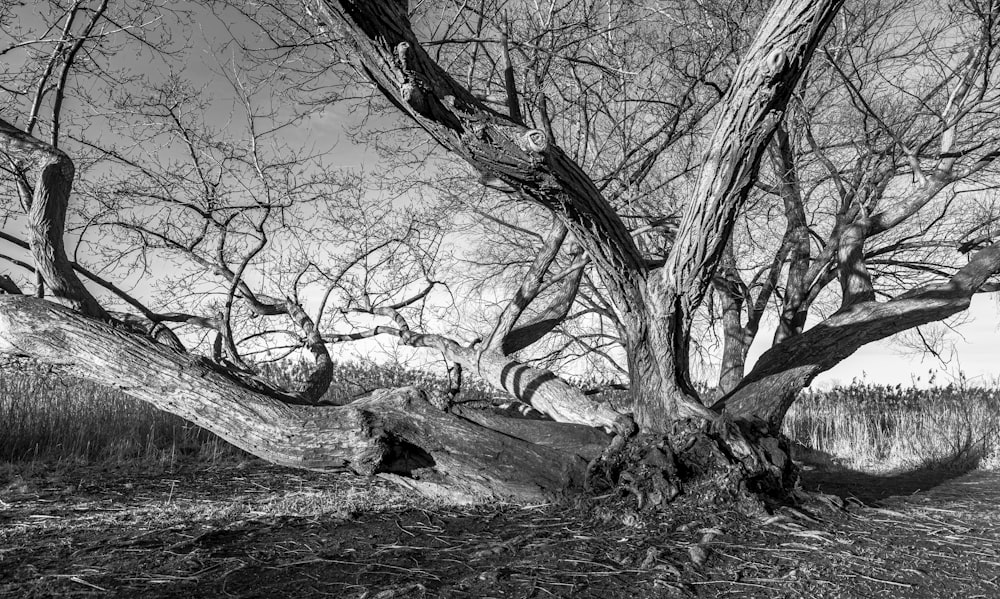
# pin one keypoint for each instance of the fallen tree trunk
(393, 432)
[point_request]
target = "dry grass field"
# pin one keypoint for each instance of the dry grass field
(101, 496)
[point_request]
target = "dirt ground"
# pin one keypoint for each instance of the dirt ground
(252, 530)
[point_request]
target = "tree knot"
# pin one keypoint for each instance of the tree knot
(533, 140)
(402, 49)
(414, 97)
(625, 426)
(776, 62)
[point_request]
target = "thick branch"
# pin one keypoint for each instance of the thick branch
(753, 106)
(382, 43)
(767, 392)
(47, 217)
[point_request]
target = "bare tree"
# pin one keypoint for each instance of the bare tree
(652, 299)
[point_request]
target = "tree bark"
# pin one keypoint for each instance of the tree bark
(47, 217)
(393, 432)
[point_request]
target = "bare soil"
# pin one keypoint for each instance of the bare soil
(253, 530)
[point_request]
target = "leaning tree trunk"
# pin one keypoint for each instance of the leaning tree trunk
(396, 433)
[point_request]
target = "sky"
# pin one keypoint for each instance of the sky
(975, 354)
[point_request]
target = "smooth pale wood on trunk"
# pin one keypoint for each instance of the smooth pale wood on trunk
(469, 461)
(541, 389)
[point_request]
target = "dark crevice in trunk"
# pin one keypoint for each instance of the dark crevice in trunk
(403, 458)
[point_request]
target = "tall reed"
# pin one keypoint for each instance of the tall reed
(879, 428)
(875, 428)
(44, 416)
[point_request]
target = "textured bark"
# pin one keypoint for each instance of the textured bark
(658, 365)
(395, 432)
(47, 217)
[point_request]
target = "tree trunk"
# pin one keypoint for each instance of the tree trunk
(735, 346)
(392, 432)
(736, 338)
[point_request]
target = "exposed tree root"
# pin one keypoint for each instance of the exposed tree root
(731, 466)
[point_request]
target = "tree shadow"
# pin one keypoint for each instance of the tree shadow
(820, 473)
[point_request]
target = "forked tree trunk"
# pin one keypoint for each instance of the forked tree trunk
(750, 112)
(654, 309)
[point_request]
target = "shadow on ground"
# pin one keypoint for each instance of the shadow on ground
(820, 473)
